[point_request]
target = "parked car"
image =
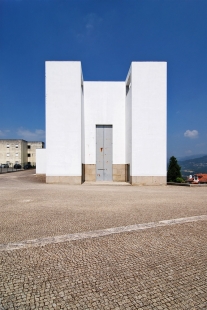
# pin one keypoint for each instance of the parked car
(4, 165)
(27, 166)
(17, 166)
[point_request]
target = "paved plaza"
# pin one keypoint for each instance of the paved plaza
(101, 246)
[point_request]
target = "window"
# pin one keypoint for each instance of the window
(16, 154)
(82, 85)
(16, 146)
(7, 146)
(28, 155)
(7, 154)
(128, 84)
(28, 146)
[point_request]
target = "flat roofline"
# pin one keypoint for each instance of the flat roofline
(13, 140)
(103, 81)
(35, 142)
(10, 140)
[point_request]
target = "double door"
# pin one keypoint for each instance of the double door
(104, 152)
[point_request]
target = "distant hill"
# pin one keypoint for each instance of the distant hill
(184, 158)
(190, 157)
(193, 165)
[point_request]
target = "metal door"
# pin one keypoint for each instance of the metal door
(104, 152)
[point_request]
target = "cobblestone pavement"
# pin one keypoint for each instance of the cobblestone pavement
(156, 268)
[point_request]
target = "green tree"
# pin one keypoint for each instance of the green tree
(173, 171)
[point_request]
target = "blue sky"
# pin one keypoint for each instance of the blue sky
(105, 35)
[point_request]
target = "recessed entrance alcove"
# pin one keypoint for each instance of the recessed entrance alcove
(105, 130)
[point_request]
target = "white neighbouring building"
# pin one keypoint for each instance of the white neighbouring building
(105, 131)
(19, 151)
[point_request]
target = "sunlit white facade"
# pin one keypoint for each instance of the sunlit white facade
(105, 131)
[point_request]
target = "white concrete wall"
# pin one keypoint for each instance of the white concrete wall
(149, 115)
(138, 119)
(104, 104)
(128, 118)
(82, 126)
(63, 118)
(41, 161)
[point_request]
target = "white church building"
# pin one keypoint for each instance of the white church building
(105, 131)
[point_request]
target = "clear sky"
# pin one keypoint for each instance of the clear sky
(105, 35)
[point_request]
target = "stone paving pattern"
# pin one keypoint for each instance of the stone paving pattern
(157, 268)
